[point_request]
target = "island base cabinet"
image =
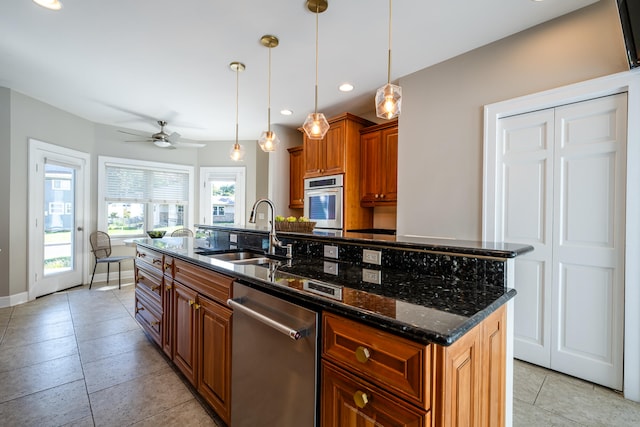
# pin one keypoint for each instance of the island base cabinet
(184, 316)
(214, 356)
(470, 378)
(350, 402)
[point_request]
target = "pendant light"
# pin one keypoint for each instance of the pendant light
(316, 125)
(269, 140)
(49, 4)
(237, 150)
(389, 96)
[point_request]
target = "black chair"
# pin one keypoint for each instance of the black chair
(101, 248)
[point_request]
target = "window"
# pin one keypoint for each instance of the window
(223, 195)
(136, 196)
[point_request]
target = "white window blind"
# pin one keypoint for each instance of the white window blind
(145, 185)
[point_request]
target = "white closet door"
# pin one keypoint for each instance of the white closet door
(559, 186)
(524, 215)
(589, 205)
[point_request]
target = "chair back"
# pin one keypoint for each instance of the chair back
(100, 244)
(182, 232)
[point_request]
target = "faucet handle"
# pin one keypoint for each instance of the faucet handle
(289, 250)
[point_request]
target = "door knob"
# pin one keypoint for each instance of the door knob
(80, 229)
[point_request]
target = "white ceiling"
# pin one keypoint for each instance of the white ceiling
(128, 63)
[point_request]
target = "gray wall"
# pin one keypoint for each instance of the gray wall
(5, 188)
(440, 139)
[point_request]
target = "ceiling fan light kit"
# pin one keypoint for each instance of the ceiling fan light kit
(389, 97)
(237, 151)
(49, 4)
(268, 140)
(316, 125)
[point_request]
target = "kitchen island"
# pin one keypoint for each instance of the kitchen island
(420, 324)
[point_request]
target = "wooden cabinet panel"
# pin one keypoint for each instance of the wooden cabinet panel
(150, 279)
(168, 331)
(350, 402)
(379, 165)
(214, 356)
(207, 282)
(148, 314)
(387, 360)
(494, 354)
(334, 150)
(149, 256)
(296, 177)
(313, 157)
(184, 351)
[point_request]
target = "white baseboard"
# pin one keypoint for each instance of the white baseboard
(15, 299)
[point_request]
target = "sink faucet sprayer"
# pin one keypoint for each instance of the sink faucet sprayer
(273, 239)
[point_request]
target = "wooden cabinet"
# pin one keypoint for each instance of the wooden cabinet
(371, 377)
(469, 379)
(167, 308)
(296, 177)
(350, 402)
(370, 374)
(148, 292)
(339, 151)
(202, 349)
(379, 165)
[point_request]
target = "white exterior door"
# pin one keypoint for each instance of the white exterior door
(58, 216)
(560, 185)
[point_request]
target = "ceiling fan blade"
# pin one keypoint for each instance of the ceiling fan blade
(189, 144)
(131, 133)
(139, 140)
(173, 137)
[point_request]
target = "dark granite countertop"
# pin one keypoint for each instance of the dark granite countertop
(463, 247)
(410, 304)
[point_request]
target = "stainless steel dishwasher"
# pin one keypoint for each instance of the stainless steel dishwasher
(274, 360)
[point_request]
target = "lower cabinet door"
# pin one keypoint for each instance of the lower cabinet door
(184, 350)
(349, 402)
(214, 356)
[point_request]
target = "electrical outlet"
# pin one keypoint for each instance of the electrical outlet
(331, 267)
(330, 251)
(371, 276)
(372, 257)
(233, 238)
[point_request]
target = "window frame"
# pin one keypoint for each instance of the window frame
(103, 161)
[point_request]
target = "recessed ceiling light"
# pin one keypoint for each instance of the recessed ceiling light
(49, 4)
(286, 112)
(345, 87)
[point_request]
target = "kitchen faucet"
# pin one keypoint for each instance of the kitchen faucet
(273, 239)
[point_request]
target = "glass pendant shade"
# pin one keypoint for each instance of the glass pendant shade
(237, 152)
(388, 101)
(315, 126)
(268, 141)
(49, 4)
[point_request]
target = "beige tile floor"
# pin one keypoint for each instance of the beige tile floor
(78, 358)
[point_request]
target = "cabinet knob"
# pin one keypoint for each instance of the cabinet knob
(191, 302)
(360, 398)
(362, 354)
(167, 266)
(140, 277)
(377, 196)
(157, 261)
(169, 287)
(196, 306)
(382, 196)
(155, 288)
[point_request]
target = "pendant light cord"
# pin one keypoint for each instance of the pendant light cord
(389, 59)
(237, 97)
(269, 95)
(316, 97)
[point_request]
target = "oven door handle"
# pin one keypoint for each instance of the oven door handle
(292, 333)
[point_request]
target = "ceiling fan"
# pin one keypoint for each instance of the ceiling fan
(163, 139)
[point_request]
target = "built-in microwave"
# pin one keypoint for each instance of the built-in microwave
(323, 198)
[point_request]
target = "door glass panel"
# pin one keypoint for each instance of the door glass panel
(59, 218)
(222, 202)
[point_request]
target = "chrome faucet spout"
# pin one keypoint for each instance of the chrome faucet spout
(273, 238)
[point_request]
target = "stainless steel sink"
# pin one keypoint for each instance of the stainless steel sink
(237, 256)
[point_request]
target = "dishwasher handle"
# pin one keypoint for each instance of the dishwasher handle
(292, 333)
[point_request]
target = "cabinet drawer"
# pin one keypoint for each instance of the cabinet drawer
(348, 401)
(391, 362)
(148, 316)
(150, 257)
(147, 277)
(167, 266)
(213, 285)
